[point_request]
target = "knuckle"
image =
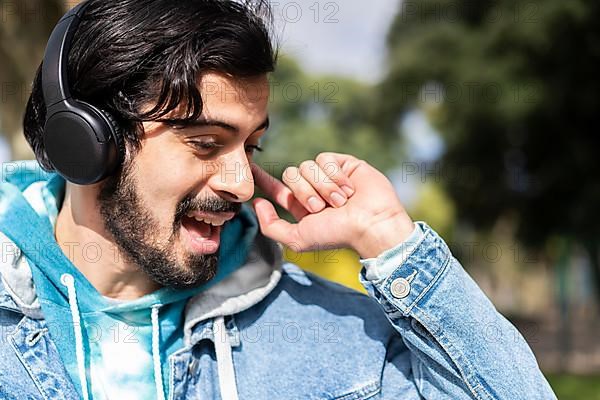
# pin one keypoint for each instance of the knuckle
(360, 162)
(306, 165)
(323, 157)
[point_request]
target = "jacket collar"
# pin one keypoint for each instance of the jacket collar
(244, 288)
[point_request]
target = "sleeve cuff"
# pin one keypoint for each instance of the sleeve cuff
(403, 276)
(382, 266)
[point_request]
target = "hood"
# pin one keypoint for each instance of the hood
(239, 289)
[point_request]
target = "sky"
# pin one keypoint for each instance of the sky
(345, 37)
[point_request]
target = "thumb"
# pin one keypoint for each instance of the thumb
(272, 226)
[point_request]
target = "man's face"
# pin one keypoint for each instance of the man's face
(166, 208)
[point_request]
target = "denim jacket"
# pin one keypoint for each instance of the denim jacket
(273, 331)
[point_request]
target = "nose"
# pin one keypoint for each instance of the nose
(234, 181)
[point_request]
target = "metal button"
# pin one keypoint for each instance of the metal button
(400, 288)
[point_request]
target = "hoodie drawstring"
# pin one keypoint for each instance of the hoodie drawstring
(224, 361)
(69, 282)
(160, 390)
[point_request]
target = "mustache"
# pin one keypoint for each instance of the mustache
(208, 204)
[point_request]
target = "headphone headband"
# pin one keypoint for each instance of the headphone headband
(83, 143)
(54, 70)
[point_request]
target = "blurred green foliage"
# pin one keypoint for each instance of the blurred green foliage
(513, 88)
(572, 387)
(311, 114)
(24, 30)
(436, 208)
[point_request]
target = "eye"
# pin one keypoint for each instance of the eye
(253, 148)
(205, 146)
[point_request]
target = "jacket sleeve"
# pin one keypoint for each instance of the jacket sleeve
(460, 346)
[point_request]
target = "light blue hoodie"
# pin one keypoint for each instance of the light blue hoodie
(114, 349)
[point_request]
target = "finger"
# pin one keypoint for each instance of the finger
(315, 177)
(348, 163)
(275, 189)
(272, 226)
(303, 190)
(331, 165)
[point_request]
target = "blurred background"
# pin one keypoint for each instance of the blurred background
(481, 112)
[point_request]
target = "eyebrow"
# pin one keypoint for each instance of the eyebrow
(206, 122)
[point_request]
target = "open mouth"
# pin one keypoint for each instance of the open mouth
(204, 230)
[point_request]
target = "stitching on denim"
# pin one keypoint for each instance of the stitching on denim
(407, 309)
(436, 278)
(450, 349)
(473, 386)
(24, 362)
(363, 393)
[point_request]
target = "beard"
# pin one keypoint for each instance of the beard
(134, 230)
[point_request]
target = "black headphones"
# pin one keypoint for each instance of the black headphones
(83, 143)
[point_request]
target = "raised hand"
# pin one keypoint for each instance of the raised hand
(338, 201)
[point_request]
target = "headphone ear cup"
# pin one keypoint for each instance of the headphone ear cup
(83, 143)
(117, 136)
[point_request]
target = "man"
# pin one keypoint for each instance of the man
(154, 280)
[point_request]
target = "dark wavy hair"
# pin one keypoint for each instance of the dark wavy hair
(127, 54)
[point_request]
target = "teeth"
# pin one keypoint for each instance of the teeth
(215, 222)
